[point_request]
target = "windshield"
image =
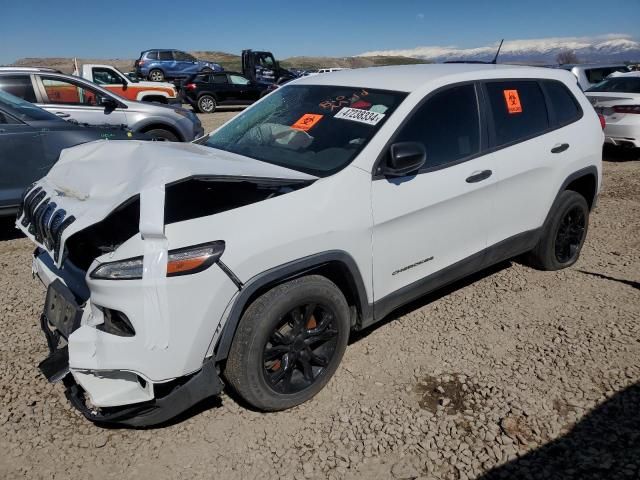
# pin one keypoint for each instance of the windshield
(24, 110)
(313, 129)
(618, 84)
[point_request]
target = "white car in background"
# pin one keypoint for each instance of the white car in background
(617, 99)
(589, 75)
(253, 254)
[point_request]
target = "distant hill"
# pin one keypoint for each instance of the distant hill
(230, 61)
(533, 51)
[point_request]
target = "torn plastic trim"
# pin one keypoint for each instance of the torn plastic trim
(183, 393)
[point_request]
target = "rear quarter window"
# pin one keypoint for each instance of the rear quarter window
(152, 55)
(564, 107)
(518, 109)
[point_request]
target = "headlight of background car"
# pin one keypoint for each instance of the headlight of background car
(181, 261)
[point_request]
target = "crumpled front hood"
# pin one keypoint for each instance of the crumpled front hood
(91, 180)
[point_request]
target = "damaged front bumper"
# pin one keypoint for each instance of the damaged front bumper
(106, 394)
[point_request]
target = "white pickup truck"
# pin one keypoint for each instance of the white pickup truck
(112, 79)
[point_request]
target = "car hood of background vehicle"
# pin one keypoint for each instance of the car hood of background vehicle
(91, 180)
(153, 85)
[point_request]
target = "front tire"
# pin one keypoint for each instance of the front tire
(156, 75)
(563, 235)
(162, 134)
(207, 104)
(289, 343)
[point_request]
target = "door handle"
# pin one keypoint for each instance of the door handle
(479, 176)
(63, 115)
(561, 147)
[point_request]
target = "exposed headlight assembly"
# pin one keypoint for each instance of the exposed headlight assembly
(182, 261)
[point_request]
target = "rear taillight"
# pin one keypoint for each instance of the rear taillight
(190, 86)
(603, 122)
(627, 109)
(140, 63)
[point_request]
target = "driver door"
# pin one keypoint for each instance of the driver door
(431, 226)
(73, 100)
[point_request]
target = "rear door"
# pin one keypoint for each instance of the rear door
(73, 100)
(521, 149)
(224, 91)
(167, 63)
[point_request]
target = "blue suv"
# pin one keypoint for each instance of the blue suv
(158, 65)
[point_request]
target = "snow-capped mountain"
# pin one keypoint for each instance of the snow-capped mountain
(610, 48)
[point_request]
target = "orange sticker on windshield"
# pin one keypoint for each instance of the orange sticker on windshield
(306, 121)
(513, 101)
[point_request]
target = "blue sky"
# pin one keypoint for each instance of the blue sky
(115, 28)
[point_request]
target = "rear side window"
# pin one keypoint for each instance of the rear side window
(596, 75)
(519, 110)
(220, 78)
(19, 86)
(448, 126)
(165, 56)
(564, 106)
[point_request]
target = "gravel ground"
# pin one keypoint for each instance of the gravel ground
(514, 373)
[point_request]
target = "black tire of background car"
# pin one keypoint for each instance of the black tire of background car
(207, 104)
(156, 75)
(161, 134)
(563, 234)
(245, 369)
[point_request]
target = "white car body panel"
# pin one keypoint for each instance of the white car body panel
(622, 129)
(383, 224)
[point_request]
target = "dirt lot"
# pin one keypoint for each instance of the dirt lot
(514, 373)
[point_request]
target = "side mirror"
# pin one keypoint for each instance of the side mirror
(109, 104)
(404, 158)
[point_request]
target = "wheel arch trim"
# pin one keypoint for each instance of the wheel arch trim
(285, 272)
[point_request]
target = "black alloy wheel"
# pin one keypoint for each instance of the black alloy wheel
(570, 235)
(300, 348)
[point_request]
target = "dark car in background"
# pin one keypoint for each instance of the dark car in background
(31, 140)
(158, 65)
(206, 91)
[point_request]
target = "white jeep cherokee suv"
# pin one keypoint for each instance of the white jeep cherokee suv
(316, 212)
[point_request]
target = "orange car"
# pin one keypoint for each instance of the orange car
(114, 80)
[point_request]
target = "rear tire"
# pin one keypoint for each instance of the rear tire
(563, 234)
(207, 104)
(289, 343)
(156, 75)
(162, 134)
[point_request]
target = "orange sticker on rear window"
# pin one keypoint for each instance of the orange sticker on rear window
(306, 121)
(513, 101)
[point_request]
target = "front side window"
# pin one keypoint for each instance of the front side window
(238, 80)
(64, 92)
(565, 107)
(310, 128)
(618, 84)
(19, 86)
(183, 56)
(106, 76)
(447, 124)
(518, 109)
(165, 55)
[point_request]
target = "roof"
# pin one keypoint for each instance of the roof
(408, 78)
(29, 69)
